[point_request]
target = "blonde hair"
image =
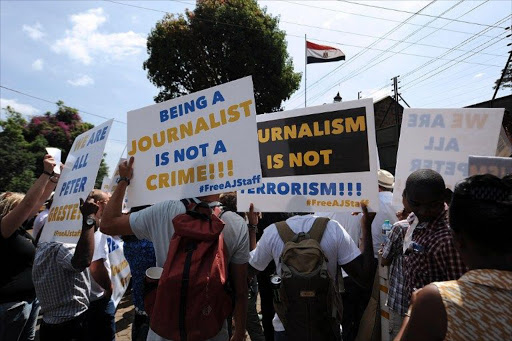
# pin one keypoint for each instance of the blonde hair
(8, 201)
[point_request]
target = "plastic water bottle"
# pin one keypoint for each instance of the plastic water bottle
(386, 229)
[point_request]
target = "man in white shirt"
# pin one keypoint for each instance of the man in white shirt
(337, 245)
(155, 224)
(101, 313)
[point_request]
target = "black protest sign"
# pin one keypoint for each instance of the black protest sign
(320, 143)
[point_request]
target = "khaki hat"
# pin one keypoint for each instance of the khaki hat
(386, 179)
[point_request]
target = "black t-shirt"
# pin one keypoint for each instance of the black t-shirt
(16, 258)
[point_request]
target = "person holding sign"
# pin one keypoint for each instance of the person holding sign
(430, 254)
(18, 304)
(63, 283)
(155, 223)
(477, 306)
(101, 313)
(337, 247)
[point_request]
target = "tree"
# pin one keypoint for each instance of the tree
(23, 144)
(507, 79)
(102, 172)
(220, 41)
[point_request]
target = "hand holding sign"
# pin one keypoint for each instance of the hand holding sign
(88, 207)
(57, 155)
(48, 163)
(126, 168)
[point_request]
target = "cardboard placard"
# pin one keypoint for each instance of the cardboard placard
(77, 180)
(196, 145)
(442, 140)
(317, 159)
(498, 166)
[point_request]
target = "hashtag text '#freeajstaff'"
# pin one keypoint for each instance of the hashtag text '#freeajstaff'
(230, 184)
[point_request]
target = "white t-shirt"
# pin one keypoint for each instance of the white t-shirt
(386, 212)
(39, 222)
(351, 224)
(155, 224)
(100, 252)
(337, 245)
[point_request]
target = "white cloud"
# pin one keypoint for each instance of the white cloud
(37, 65)
(478, 75)
(35, 32)
(83, 80)
(22, 108)
(84, 42)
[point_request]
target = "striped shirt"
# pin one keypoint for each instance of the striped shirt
(478, 305)
(438, 259)
(397, 299)
(62, 290)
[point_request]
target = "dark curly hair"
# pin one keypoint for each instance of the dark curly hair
(481, 208)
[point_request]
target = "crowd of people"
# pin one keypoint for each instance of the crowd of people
(317, 275)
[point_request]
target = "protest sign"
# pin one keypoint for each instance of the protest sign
(442, 140)
(56, 154)
(316, 159)
(76, 181)
(105, 184)
(498, 166)
(200, 144)
(504, 146)
(120, 270)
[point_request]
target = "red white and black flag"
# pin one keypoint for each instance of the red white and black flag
(322, 54)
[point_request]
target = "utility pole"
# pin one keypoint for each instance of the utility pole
(396, 96)
(359, 95)
(502, 76)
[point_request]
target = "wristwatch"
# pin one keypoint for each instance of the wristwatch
(90, 221)
(124, 178)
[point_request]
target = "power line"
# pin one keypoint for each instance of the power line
(360, 53)
(56, 103)
(423, 14)
(370, 36)
(372, 17)
(462, 57)
(367, 65)
(292, 35)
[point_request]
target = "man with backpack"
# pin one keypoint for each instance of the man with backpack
(196, 249)
(308, 251)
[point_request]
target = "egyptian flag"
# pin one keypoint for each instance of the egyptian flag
(322, 54)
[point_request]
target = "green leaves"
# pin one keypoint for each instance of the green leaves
(221, 41)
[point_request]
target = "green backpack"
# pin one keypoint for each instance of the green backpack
(309, 303)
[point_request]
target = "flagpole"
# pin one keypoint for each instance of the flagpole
(305, 70)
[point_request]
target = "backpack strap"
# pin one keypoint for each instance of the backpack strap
(317, 230)
(188, 203)
(285, 232)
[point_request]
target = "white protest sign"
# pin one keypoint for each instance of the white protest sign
(57, 156)
(76, 181)
(317, 159)
(105, 184)
(504, 146)
(200, 144)
(120, 270)
(497, 166)
(442, 140)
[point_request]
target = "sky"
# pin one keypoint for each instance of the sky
(89, 54)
